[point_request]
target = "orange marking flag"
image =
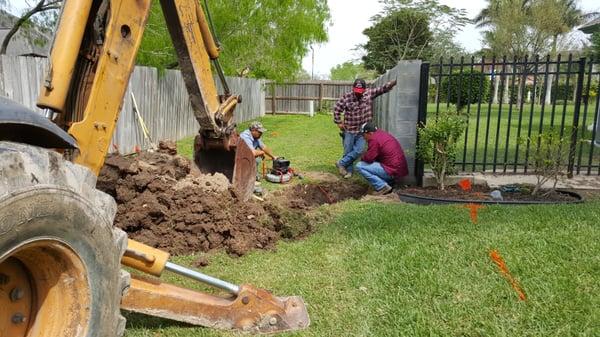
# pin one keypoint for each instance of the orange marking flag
(473, 211)
(465, 184)
(495, 256)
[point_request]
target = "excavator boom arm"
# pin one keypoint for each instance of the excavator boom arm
(93, 57)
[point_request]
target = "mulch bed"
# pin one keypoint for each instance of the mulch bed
(482, 193)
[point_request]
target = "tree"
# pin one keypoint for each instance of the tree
(564, 16)
(520, 27)
(465, 87)
(400, 35)
(444, 23)
(513, 28)
(43, 15)
(595, 46)
(349, 71)
(264, 38)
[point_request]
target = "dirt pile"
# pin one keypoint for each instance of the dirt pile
(164, 202)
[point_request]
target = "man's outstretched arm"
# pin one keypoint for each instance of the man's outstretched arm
(383, 89)
(266, 150)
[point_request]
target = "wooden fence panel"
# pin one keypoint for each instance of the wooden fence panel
(296, 98)
(162, 100)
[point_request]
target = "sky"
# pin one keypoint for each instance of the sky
(350, 17)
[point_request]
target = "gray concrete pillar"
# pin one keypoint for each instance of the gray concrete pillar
(397, 111)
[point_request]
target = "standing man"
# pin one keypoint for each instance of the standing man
(384, 160)
(252, 139)
(357, 108)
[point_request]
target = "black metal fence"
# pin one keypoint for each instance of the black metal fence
(509, 102)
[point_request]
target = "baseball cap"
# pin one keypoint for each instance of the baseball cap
(368, 127)
(257, 126)
(359, 86)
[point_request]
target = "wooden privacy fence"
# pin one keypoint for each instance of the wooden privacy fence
(304, 97)
(162, 100)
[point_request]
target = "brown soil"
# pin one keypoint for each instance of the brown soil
(307, 196)
(164, 201)
(479, 192)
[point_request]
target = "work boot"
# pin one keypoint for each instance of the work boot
(342, 170)
(348, 175)
(384, 190)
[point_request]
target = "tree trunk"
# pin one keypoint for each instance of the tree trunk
(520, 91)
(548, 95)
(442, 175)
(496, 87)
(506, 94)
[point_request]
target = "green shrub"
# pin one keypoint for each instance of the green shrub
(470, 87)
(438, 143)
(594, 90)
(550, 157)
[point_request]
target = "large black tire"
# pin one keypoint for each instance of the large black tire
(44, 198)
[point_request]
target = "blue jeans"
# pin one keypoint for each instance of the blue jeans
(375, 174)
(354, 145)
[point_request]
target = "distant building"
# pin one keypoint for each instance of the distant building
(591, 27)
(24, 43)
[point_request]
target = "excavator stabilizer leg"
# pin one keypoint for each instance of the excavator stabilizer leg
(230, 156)
(253, 310)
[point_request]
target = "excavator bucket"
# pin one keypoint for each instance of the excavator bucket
(229, 156)
(253, 310)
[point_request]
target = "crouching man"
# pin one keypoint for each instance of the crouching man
(384, 160)
(252, 137)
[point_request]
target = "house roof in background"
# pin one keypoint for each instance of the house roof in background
(591, 27)
(22, 42)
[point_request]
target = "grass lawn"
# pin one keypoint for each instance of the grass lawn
(376, 269)
(312, 144)
(499, 129)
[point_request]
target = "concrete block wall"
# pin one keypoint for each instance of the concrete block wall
(397, 111)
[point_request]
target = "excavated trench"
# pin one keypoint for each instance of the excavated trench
(165, 202)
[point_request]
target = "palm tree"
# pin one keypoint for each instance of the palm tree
(550, 19)
(568, 15)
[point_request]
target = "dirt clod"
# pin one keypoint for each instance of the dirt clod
(200, 262)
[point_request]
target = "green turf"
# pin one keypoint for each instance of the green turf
(494, 121)
(375, 269)
(311, 143)
(404, 270)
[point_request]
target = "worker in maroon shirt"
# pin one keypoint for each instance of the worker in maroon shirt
(356, 108)
(384, 160)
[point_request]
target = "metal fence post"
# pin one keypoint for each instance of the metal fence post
(273, 98)
(421, 119)
(321, 96)
(574, 132)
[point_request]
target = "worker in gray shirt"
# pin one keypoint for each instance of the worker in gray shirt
(252, 138)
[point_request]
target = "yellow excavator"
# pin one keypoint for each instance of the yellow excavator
(60, 256)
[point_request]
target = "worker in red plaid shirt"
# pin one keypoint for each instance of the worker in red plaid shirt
(352, 110)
